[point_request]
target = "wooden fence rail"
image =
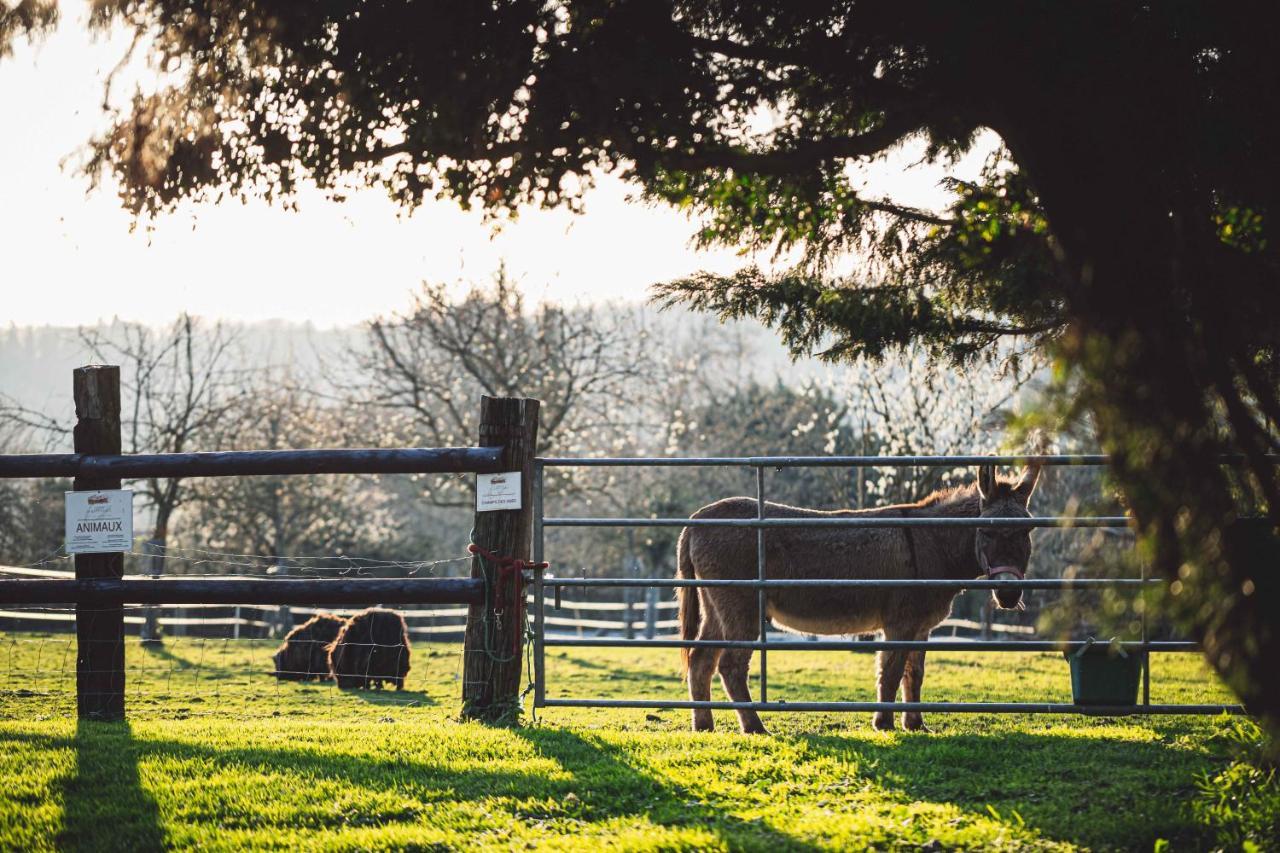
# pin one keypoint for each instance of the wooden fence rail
(253, 463)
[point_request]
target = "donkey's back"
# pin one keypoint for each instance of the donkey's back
(811, 553)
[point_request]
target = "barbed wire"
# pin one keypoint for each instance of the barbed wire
(351, 561)
(188, 676)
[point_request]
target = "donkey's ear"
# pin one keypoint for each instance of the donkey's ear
(986, 481)
(1027, 485)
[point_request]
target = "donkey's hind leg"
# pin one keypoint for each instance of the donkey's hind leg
(702, 665)
(735, 664)
(912, 682)
(890, 665)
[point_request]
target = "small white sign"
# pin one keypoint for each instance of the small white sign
(497, 491)
(100, 522)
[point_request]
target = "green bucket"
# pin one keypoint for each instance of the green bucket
(1103, 673)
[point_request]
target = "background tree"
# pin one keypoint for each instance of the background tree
(1130, 228)
(424, 371)
(274, 519)
(31, 511)
(908, 407)
(178, 385)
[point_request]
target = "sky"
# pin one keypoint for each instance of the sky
(70, 257)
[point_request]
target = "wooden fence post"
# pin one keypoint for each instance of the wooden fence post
(99, 629)
(650, 612)
(494, 640)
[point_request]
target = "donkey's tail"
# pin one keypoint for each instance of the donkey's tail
(690, 617)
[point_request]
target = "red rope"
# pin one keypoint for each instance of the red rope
(509, 567)
(506, 562)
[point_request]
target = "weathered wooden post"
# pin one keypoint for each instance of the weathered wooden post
(628, 613)
(99, 628)
(153, 555)
(650, 612)
(501, 540)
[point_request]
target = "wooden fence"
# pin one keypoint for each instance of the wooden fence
(501, 541)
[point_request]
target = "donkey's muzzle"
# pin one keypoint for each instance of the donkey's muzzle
(1007, 598)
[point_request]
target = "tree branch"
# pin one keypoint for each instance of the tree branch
(798, 158)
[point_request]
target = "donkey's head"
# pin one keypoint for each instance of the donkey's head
(1003, 552)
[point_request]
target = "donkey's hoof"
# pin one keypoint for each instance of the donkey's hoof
(703, 723)
(914, 723)
(883, 720)
(757, 729)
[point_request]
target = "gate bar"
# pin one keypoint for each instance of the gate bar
(934, 707)
(761, 593)
(1083, 459)
(874, 583)
(1118, 522)
(821, 461)
(878, 645)
(539, 596)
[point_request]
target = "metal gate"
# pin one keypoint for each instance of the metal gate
(762, 644)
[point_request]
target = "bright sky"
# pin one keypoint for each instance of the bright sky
(68, 257)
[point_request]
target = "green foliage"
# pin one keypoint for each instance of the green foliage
(956, 286)
(1241, 802)
(219, 756)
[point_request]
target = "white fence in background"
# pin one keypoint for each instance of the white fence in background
(598, 618)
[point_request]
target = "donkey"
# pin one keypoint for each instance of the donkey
(732, 613)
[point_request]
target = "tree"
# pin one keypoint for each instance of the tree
(276, 518)
(425, 369)
(177, 385)
(31, 511)
(909, 408)
(1130, 227)
(25, 18)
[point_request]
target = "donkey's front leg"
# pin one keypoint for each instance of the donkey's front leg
(889, 667)
(912, 681)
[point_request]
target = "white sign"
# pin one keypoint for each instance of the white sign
(497, 491)
(99, 522)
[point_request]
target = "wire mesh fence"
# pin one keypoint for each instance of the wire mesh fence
(191, 676)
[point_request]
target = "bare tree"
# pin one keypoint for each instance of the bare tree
(424, 369)
(178, 384)
(272, 517)
(30, 510)
(905, 407)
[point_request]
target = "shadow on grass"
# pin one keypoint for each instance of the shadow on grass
(1088, 790)
(391, 698)
(610, 785)
(105, 806)
(162, 652)
(604, 785)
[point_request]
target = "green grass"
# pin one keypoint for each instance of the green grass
(216, 754)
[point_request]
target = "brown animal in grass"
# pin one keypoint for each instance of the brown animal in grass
(372, 649)
(732, 613)
(305, 652)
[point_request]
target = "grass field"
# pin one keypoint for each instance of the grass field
(216, 754)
